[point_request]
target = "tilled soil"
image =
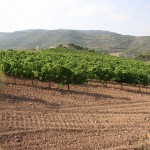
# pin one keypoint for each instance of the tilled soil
(88, 117)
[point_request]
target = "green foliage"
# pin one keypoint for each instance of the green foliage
(98, 40)
(143, 57)
(61, 75)
(66, 67)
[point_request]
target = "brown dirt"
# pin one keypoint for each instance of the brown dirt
(89, 117)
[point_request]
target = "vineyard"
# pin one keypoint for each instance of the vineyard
(66, 67)
(59, 99)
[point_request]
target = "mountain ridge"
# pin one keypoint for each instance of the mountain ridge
(98, 40)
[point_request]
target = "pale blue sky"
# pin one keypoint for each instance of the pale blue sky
(130, 17)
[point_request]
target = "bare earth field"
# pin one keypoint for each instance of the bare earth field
(89, 117)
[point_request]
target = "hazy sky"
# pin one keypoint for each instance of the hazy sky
(122, 16)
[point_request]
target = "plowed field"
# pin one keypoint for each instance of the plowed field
(88, 117)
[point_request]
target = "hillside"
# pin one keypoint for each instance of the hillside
(94, 39)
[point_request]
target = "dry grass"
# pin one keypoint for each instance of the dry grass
(116, 54)
(2, 79)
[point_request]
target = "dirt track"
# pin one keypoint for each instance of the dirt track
(89, 117)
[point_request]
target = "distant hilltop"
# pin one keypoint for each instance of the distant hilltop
(98, 40)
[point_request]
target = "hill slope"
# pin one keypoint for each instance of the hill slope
(93, 39)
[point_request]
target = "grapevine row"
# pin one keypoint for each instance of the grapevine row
(66, 67)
